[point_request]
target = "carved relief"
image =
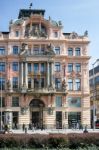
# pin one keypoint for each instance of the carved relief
(84, 51)
(73, 35)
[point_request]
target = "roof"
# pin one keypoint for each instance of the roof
(28, 12)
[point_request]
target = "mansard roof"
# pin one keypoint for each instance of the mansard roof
(28, 12)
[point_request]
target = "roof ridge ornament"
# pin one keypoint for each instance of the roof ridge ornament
(31, 4)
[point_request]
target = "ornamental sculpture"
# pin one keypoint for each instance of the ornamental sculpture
(64, 85)
(24, 48)
(35, 31)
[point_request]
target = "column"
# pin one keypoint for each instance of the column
(52, 75)
(48, 74)
(26, 75)
(32, 84)
(21, 73)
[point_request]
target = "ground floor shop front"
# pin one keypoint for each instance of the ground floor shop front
(39, 116)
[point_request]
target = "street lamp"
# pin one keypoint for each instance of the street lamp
(94, 106)
(1, 104)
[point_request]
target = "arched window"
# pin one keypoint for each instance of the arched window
(77, 84)
(70, 84)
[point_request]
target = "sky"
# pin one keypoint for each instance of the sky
(76, 16)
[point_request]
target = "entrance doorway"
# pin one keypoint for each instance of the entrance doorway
(74, 118)
(58, 119)
(36, 113)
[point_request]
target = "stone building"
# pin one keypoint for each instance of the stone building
(44, 77)
(94, 92)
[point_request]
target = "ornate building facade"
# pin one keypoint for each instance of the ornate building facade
(44, 77)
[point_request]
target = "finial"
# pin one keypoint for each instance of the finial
(30, 5)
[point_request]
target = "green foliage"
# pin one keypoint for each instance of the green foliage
(51, 141)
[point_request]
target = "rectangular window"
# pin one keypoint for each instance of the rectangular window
(77, 84)
(36, 83)
(42, 82)
(78, 67)
(58, 101)
(15, 50)
(2, 83)
(36, 49)
(15, 82)
(2, 101)
(77, 52)
(55, 34)
(57, 83)
(29, 83)
(74, 101)
(57, 66)
(70, 84)
(70, 52)
(15, 66)
(70, 67)
(15, 101)
(29, 67)
(2, 50)
(42, 68)
(2, 66)
(36, 68)
(57, 50)
(42, 49)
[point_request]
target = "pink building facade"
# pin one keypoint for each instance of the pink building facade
(44, 77)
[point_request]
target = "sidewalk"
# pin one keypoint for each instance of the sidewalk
(48, 131)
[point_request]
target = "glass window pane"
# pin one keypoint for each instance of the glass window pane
(2, 66)
(70, 67)
(70, 84)
(57, 66)
(77, 84)
(70, 52)
(2, 83)
(15, 101)
(78, 67)
(2, 50)
(15, 50)
(2, 101)
(15, 66)
(58, 101)
(57, 50)
(77, 52)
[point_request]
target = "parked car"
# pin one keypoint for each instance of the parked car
(97, 124)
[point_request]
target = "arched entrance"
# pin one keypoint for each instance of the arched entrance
(36, 113)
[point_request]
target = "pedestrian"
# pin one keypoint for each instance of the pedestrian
(23, 126)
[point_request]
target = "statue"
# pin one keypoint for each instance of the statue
(27, 31)
(23, 48)
(8, 84)
(86, 33)
(49, 50)
(64, 85)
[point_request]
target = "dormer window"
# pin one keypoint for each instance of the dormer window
(16, 33)
(55, 34)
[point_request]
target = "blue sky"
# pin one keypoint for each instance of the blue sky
(76, 15)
